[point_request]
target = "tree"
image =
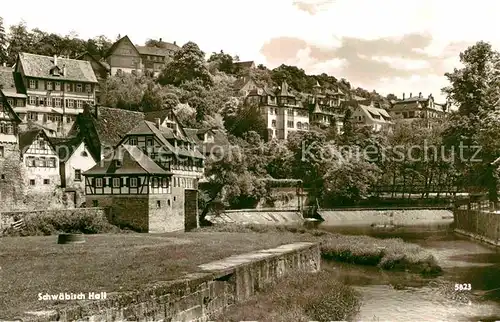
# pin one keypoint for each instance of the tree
(188, 64)
(245, 119)
(475, 89)
(224, 62)
(124, 91)
(347, 127)
(3, 43)
(19, 41)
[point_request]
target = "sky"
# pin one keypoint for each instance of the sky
(392, 46)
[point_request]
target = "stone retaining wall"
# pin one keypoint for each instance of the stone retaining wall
(263, 216)
(480, 225)
(391, 217)
(199, 296)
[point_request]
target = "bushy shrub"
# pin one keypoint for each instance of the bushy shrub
(49, 223)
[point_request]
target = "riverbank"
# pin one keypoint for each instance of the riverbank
(387, 254)
(301, 298)
(111, 263)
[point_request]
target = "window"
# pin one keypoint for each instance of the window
(57, 102)
(57, 86)
(46, 181)
(149, 142)
(116, 182)
(156, 183)
(48, 101)
(10, 101)
(78, 175)
(88, 88)
(299, 125)
(79, 104)
(273, 123)
(68, 87)
(98, 182)
(71, 103)
(95, 203)
(2, 151)
(32, 182)
(133, 182)
(51, 163)
(33, 83)
(164, 182)
(133, 140)
(290, 124)
(30, 161)
(50, 86)
(79, 88)
(20, 103)
(2, 176)
(118, 163)
(158, 203)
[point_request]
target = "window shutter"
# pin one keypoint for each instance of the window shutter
(36, 84)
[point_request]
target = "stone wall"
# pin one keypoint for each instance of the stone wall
(129, 211)
(388, 217)
(202, 295)
(9, 217)
(259, 216)
(477, 224)
(191, 220)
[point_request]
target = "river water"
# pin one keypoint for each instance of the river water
(400, 296)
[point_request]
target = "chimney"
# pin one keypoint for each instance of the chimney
(63, 71)
(158, 122)
(403, 96)
(55, 60)
(411, 95)
(160, 39)
(175, 43)
(420, 95)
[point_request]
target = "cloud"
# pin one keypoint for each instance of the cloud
(312, 6)
(385, 64)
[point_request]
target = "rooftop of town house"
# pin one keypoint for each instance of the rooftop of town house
(163, 134)
(132, 161)
(95, 58)
(27, 138)
(107, 128)
(375, 113)
(162, 115)
(39, 66)
(158, 51)
(66, 146)
(245, 64)
(117, 43)
(220, 138)
(11, 84)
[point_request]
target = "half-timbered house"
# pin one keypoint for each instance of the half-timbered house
(41, 161)
(150, 180)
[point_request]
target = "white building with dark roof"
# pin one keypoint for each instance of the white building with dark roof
(369, 115)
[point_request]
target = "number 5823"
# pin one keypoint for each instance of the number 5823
(463, 287)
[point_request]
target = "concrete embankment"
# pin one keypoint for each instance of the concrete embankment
(384, 217)
(480, 225)
(338, 217)
(199, 295)
(259, 216)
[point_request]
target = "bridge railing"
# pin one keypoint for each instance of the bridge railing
(476, 202)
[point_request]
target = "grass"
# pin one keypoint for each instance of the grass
(110, 263)
(299, 297)
(389, 254)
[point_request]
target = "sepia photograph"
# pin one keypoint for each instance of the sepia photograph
(264, 161)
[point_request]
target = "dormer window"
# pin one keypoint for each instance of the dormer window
(118, 163)
(55, 71)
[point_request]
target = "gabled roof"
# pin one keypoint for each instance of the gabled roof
(95, 59)
(107, 129)
(67, 146)
(27, 138)
(117, 43)
(245, 64)
(162, 115)
(40, 66)
(158, 51)
(134, 161)
(220, 139)
(373, 112)
(11, 83)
